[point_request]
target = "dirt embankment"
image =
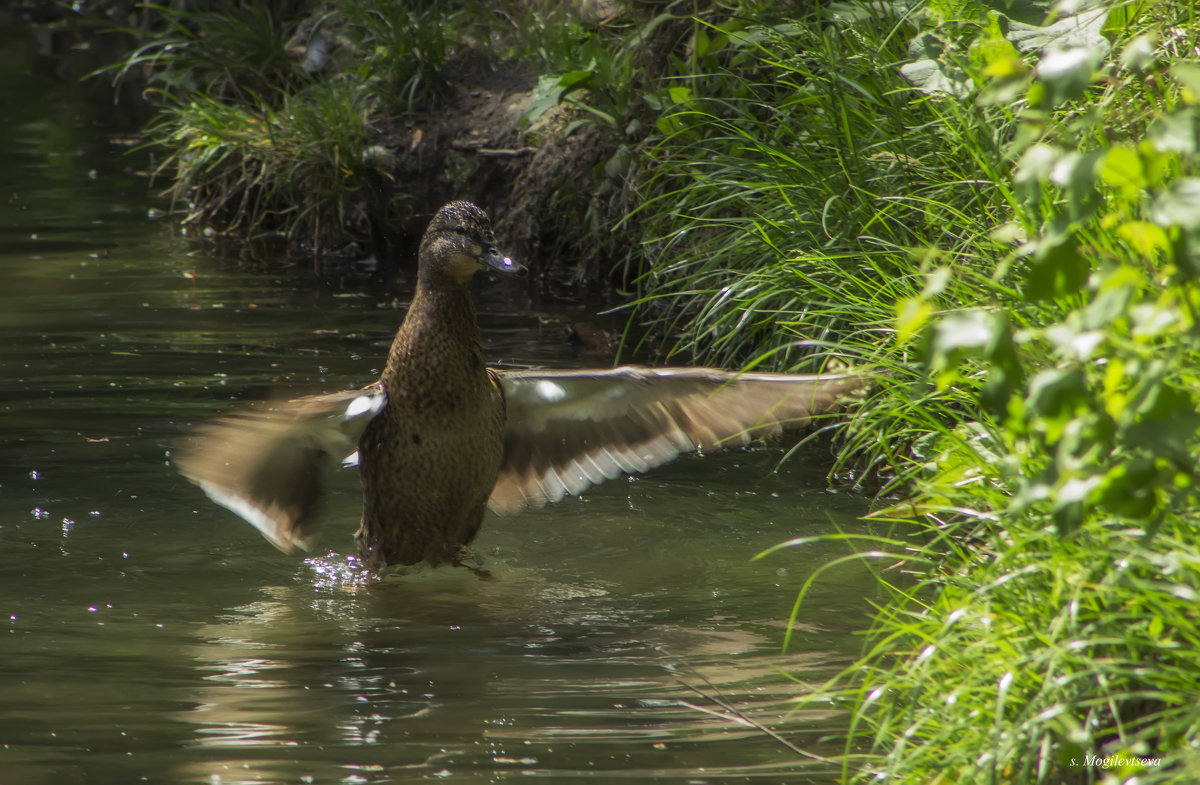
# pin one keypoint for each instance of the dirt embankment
(545, 190)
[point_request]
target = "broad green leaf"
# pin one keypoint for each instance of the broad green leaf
(1188, 77)
(1179, 206)
(1170, 439)
(854, 12)
(1082, 30)
(911, 315)
(1077, 489)
(1146, 239)
(1153, 319)
(1056, 270)
(935, 282)
(1138, 54)
(930, 77)
(1073, 342)
(573, 80)
(1128, 488)
(1056, 392)
(1174, 133)
(1122, 169)
(546, 95)
(971, 330)
(929, 73)
(1066, 73)
(1112, 301)
(1036, 164)
(994, 56)
(1028, 11)
(679, 95)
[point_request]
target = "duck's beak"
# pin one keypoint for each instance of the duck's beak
(501, 263)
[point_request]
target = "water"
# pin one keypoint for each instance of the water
(149, 636)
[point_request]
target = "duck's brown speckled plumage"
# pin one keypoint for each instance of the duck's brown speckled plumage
(441, 437)
(431, 457)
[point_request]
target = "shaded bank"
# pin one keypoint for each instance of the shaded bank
(336, 126)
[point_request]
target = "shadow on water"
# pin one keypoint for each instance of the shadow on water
(150, 636)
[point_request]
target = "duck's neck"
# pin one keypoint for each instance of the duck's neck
(440, 333)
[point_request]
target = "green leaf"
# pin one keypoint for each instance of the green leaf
(1165, 402)
(1146, 239)
(1128, 488)
(1070, 502)
(1056, 270)
(1121, 168)
(1179, 206)
(930, 72)
(850, 13)
(1174, 133)
(1077, 489)
(959, 334)
(1076, 174)
(1073, 342)
(546, 95)
(1066, 73)
(1153, 319)
(1112, 301)
(1028, 11)
(1188, 77)
(551, 90)
(679, 95)
(997, 58)
(1081, 30)
(1138, 54)
(1036, 164)
(931, 77)
(911, 315)
(1056, 392)
(1170, 439)
(574, 80)
(971, 330)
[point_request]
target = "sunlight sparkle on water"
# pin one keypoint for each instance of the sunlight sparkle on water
(336, 571)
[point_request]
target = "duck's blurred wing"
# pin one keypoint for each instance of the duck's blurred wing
(267, 463)
(567, 430)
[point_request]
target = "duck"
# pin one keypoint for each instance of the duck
(441, 437)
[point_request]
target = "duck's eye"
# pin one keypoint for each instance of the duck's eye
(460, 230)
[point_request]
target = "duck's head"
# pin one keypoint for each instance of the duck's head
(458, 243)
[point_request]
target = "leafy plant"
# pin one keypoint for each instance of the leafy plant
(238, 52)
(405, 46)
(610, 76)
(301, 168)
(1000, 212)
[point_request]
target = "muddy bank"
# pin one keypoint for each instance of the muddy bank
(545, 190)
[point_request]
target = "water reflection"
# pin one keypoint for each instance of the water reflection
(450, 677)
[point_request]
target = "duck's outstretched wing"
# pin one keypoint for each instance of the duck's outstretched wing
(266, 463)
(567, 430)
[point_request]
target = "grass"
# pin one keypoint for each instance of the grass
(1012, 238)
(309, 167)
(274, 125)
(235, 53)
